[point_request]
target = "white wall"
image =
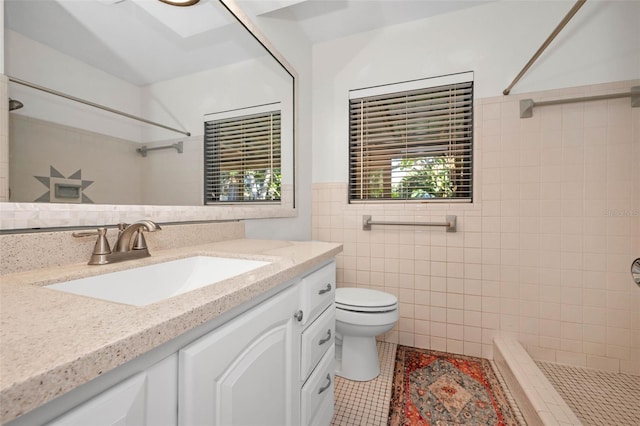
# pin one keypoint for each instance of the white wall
(494, 40)
(187, 100)
(4, 119)
(37, 63)
(296, 48)
(1, 36)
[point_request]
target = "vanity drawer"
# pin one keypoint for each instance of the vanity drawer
(317, 393)
(318, 291)
(316, 339)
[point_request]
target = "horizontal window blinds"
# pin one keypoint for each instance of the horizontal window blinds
(242, 158)
(415, 144)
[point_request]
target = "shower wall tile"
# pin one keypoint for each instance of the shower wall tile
(38, 146)
(542, 254)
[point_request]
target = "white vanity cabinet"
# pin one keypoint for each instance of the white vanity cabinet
(317, 346)
(147, 398)
(318, 291)
(270, 365)
(242, 373)
(317, 394)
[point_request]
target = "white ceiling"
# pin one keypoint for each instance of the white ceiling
(140, 41)
(146, 41)
(323, 20)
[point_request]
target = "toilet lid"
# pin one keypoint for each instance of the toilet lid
(365, 300)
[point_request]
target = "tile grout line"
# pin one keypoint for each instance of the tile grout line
(366, 403)
(512, 402)
(596, 397)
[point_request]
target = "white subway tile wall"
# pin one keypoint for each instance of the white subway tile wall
(541, 255)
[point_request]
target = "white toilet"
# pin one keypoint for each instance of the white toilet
(361, 315)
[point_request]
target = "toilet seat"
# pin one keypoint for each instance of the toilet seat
(365, 300)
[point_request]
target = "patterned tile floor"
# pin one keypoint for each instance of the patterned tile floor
(596, 397)
(367, 403)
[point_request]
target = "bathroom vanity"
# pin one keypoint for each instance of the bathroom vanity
(254, 349)
(234, 374)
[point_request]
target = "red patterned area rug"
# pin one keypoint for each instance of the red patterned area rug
(436, 388)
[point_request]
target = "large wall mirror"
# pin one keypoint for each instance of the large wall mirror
(110, 101)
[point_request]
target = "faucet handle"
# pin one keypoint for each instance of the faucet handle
(101, 249)
(139, 243)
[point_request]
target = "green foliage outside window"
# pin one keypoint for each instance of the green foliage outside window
(251, 185)
(428, 177)
(425, 177)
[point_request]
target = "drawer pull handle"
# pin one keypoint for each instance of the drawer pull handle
(298, 315)
(325, 290)
(327, 386)
(326, 339)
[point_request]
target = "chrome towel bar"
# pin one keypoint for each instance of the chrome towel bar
(527, 105)
(178, 146)
(450, 223)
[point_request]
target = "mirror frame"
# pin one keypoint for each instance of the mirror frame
(21, 217)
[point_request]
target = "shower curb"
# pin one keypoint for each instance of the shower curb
(537, 399)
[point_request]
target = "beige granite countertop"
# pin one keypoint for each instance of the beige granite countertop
(52, 342)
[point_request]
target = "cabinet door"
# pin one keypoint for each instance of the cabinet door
(243, 372)
(147, 398)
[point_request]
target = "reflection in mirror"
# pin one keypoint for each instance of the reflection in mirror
(118, 95)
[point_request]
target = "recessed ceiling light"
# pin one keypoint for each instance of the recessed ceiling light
(180, 2)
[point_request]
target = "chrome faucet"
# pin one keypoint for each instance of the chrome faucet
(129, 245)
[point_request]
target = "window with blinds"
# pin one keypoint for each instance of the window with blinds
(414, 144)
(242, 158)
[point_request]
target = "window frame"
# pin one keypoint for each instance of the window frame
(238, 114)
(404, 88)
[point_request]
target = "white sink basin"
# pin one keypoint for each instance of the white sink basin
(148, 284)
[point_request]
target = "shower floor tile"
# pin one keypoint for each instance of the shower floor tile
(366, 403)
(596, 397)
